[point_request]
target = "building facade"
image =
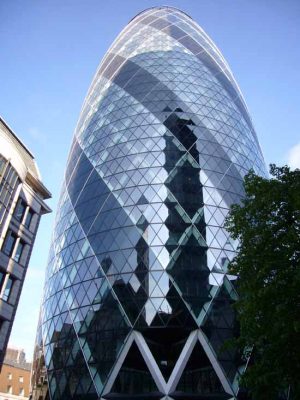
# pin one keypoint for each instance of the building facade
(138, 300)
(15, 375)
(22, 203)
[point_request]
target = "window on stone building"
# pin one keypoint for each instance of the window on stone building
(2, 164)
(8, 289)
(19, 251)
(20, 210)
(2, 277)
(9, 243)
(28, 218)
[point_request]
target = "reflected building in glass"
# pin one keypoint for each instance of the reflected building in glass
(137, 301)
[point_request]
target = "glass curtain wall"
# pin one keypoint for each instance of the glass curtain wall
(138, 300)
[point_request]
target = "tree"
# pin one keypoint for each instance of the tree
(267, 225)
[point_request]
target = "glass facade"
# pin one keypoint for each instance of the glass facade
(137, 301)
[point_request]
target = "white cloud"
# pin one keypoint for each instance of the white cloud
(294, 156)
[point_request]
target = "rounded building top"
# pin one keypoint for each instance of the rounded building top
(163, 7)
(159, 30)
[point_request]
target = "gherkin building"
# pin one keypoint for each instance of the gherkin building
(138, 300)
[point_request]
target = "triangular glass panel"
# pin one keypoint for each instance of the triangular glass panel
(100, 337)
(166, 346)
(134, 379)
(199, 379)
(221, 325)
(190, 272)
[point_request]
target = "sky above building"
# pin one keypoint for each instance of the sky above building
(50, 50)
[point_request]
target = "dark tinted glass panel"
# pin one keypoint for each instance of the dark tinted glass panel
(134, 376)
(199, 376)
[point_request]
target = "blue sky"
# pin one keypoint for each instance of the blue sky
(50, 49)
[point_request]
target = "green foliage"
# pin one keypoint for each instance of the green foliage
(267, 225)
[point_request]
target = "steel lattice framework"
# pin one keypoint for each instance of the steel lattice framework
(137, 301)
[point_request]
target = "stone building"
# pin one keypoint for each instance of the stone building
(22, 204)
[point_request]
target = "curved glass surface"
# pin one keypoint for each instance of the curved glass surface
(137, 301)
